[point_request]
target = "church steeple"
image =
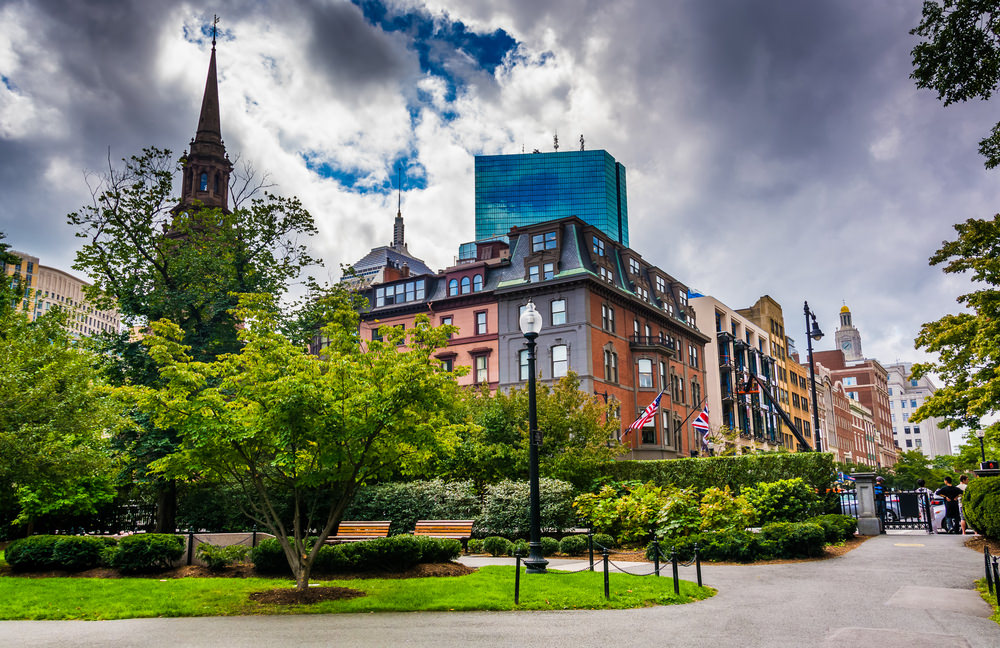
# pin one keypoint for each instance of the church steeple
(206, 166)
(398, 238)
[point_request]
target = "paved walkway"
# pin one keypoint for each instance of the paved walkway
(906, 591)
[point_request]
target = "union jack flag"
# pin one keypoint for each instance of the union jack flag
(647, 414)
(701, 422)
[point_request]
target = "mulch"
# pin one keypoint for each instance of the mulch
(976, 543)
(307, 596)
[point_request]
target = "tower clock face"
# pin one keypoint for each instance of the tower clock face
(846, 345)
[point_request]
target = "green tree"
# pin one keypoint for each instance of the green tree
(578, 435)
(967, 345)
(279, 422)
(9, 288)
(959, 56)
(54, 419)
(152, 261)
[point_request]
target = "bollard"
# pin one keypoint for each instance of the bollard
(656, 557)
(697, 563)
(517, 580)
(673, 562)
(607, 584)
(190, 546)
(989, 574)
(590, 544)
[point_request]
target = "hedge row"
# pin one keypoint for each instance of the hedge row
(815, 468)
(778, 540)
(132, 554)
(392, 554)
(981, 505)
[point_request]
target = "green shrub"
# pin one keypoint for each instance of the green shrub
(574, 545)
(785, 500)
(793, 539)
(269, 558)
(393, 554)
(33, 553)
(550, 546)
(496, 546)
(722, 511)
(628, 510)
(815, 468)
(836, 527)
(403, 503)
(981, 504)
(218, 558)
(722, 546)
(147, 552)
(519, 547)
(604, 540)
(76, 553)
(437, 550)
(474, 546)
(505, 511)
(680, 515)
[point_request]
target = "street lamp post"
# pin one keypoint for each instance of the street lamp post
(531, 326)
(981, 433)
(813, 334)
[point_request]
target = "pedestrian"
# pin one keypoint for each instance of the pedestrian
(924, 499)
(952, 515)
(963, 483)
(880, 498)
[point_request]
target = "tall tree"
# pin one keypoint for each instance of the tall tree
(967, 344)
(277, 421)
(55, 415)
(959, 56)
(152, 259)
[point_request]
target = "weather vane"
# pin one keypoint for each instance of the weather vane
(215, 28)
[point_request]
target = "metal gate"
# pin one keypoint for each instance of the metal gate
(901, 510)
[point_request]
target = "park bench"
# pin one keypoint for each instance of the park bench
(358, 531)
(454, 529)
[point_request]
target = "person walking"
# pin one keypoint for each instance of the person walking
(880, 499)
(952, 515)
(963, 483)
(924, 498)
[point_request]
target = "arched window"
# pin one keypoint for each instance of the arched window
(477, 283)
(203, 182)
(453, 287)
(465, 285)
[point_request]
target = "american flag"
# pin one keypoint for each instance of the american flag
(647, 414)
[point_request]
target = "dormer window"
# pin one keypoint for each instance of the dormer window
(598, 246)
(546, 241)
(633, 266)
(661, 285)
(477, 283)
(203, 182)
(466, 285)
(453, 287)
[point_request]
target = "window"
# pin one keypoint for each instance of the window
(913, 402)
(633, 266)
(399, 293)
(890, 391)
(795, 400)
(693, 355)
(453, 287)
(913, 383)
(610, 366)
(635, 328)
(533, 274)
(718, 321)
(377, 334)
(522, 363)
(546, 241)
(909, 443)
(448, 364)
(480, 322)
(447, 321)
(203, 182)
(560, 361)
(661, 286)
(916, 429)
(663, 376)
(649, 431)
(645, 372)
(482, 369)
(695, 393)
(682, 296)
(477, 283)
(850, 381)
(902, 403)
(607, 318)
(917, 442)
(648, 332)
(598, 246)
(607, 275)
(466, 286)
(853, 395)
(548, 271)
(558, 311)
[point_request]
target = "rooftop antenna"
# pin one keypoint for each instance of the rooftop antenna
(215, 28)
(581, 141)
(555, 142)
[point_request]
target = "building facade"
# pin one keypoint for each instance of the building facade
(521, 190)
(905, 396)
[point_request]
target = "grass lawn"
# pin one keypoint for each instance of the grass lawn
(490, 588)
(990, 598)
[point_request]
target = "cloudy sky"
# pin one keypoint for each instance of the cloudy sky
(771, 147)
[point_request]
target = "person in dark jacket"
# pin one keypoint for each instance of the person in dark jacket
(952, 516)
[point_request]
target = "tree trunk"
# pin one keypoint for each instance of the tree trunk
(166, 507)
(302, 572)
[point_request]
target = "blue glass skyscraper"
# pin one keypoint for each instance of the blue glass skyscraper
(517, 190)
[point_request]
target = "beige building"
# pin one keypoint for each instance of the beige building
(906, 394)
(48, 288)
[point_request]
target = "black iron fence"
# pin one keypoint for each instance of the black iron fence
(992, 573)
(898, 510)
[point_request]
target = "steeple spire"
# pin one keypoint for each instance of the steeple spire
(207, 167)
(398, 240)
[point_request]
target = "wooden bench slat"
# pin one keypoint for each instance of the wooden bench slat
(352, 531)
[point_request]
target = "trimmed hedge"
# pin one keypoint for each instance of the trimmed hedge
(71, 553)
(392, 554)
(981, 505)
(815, 468)
(218, 558)
(403, 503)
(785, 500)
(146, 552)
(550, 546)
(496, 546)
(836, 527)
(474, 545)
(777, 540)
(793, 539)
(505, 511)
(574, 545)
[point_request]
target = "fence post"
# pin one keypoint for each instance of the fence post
(590, 544)
(673, 563)
(925, 498)
(253, 538)
(656, 557)
(190, 546)
(996, 580)
(607, 584)
(697, 563)
(989, 574)
(517, 580)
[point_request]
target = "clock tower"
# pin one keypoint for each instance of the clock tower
(848, 337)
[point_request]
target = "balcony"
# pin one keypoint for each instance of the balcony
(651, 343)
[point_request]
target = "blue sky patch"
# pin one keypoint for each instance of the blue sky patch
(414, 175)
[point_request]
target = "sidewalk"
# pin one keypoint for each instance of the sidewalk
(905, 591)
